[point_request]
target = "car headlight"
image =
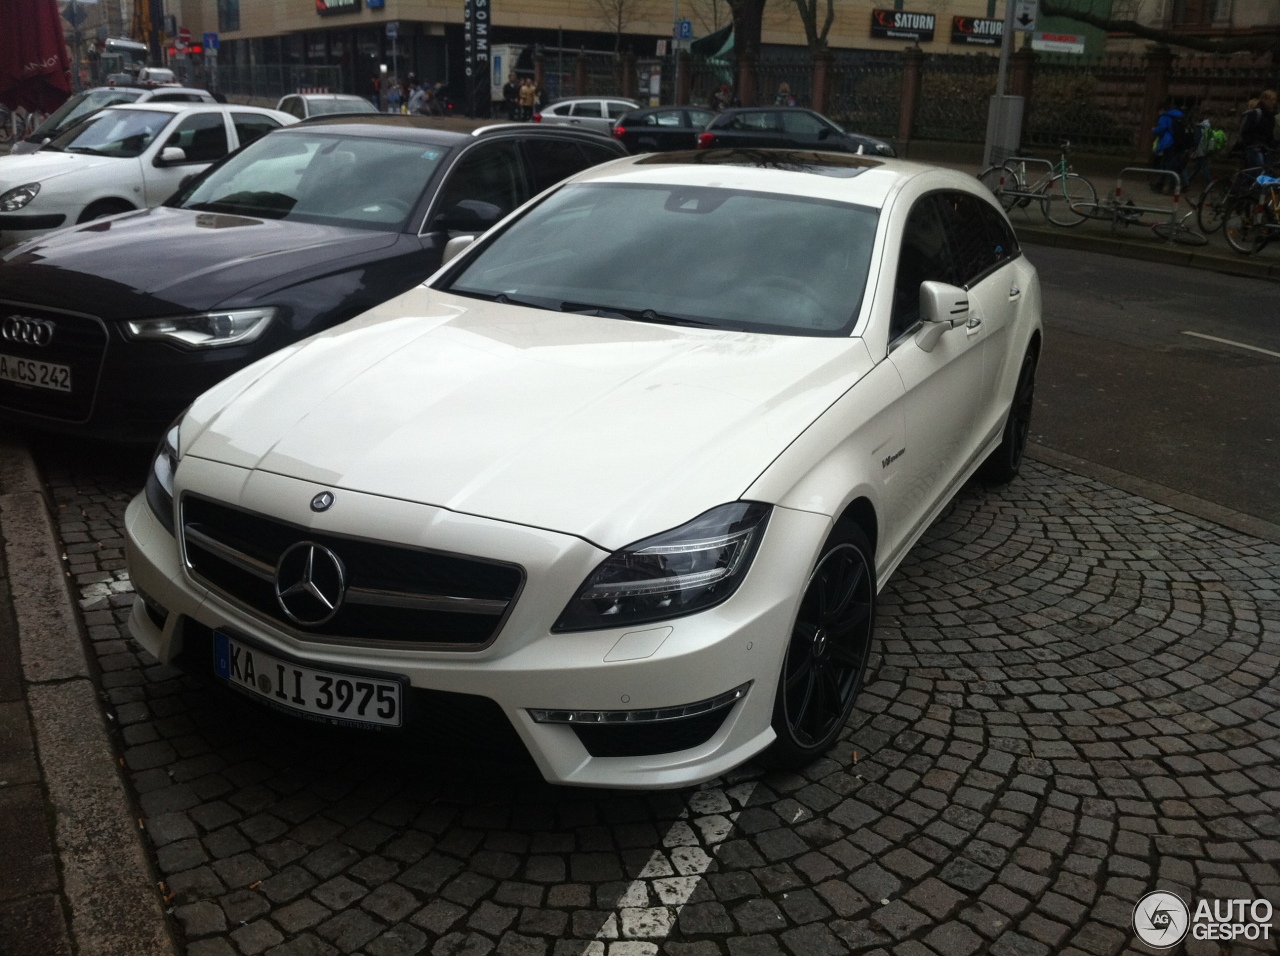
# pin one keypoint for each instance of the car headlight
(210, 330)
(884, 149)
(681, 571)
(164, 465)
(18, 197)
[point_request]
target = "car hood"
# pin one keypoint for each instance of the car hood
(156, 260)
(44, 165)
(602, 428)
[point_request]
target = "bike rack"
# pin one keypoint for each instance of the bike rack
(1132, 206)
(1022, 193)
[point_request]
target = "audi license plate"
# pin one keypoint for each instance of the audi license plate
(39, 374)
(346, 698)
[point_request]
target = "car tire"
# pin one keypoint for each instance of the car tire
(828, 651)
(1003, 464)
(103, 208)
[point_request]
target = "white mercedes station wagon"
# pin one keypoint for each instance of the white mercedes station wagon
(624, 477)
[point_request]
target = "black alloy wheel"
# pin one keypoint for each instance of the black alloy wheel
(827, 655)
(1006, 460)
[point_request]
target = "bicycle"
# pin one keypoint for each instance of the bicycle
(1221, 194)
(1125, 212)
(1058, 191)
(1254, 219)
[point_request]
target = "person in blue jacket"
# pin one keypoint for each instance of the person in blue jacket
(1173, 140)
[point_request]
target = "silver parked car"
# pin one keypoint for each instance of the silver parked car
(306, 105)
(596, 113)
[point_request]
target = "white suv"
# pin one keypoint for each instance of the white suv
(123, 158)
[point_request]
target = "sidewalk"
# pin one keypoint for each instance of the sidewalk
(75, 878)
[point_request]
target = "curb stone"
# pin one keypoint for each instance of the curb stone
(105, 875)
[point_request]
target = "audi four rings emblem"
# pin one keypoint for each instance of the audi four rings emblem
(24, 330)
(310, 583)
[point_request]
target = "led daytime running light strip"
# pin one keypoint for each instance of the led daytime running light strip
(640, 716)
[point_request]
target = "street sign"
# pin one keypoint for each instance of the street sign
(211, 41)
(74, 14)
(662, 48)
(684, 29)
(1057, 42)
(393, 29)
(1024, 14)
(184, 38)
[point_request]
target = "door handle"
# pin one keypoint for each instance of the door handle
(972, 324)
(1014, 292)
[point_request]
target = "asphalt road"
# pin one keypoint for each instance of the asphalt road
(1123, 384)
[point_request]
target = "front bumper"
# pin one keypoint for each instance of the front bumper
(19, 227)
(526, 668)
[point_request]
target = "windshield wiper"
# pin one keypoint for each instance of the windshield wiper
(635, 315)
(506, 298)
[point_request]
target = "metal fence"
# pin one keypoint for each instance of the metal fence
(955, 92)
(795, 69)
(865, 96)
(272, 80)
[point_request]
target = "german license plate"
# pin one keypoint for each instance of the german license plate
(347, 698)
(37, 374)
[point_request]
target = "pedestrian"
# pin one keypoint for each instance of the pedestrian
(721, 98)
(511, 96)
(417, 97)
(1208, 142)
(1172, 144)
(376, 99)
(393, 97)
(527, 99)
(1258, 130)
(784, 97)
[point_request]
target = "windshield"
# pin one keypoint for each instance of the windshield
(80, 106)
(310, 177)
(684, 255)
(339, 104)
(115, 132)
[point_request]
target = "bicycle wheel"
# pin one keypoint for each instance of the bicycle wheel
(1243, 231)
(1102, 211)
(1000, 179)
(1063, 195)
(1211, 209)
(1180, 232)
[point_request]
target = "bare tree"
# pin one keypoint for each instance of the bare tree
(710, 15)
(617, 15)
(1123, 19)
(815, 35)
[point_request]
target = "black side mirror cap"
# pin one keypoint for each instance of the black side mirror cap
(470, 215)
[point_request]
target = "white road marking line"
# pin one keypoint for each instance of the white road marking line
(1239, 345)
(651, 904)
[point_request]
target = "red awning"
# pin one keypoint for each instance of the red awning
(35, 72)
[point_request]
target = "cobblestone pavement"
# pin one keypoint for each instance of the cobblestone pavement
(1075, 702)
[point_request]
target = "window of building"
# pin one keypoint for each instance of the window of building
(228, 15)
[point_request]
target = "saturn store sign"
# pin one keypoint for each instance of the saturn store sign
(901, 25)
(975, 31)
(327, 7)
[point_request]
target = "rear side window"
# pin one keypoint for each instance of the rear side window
(293, 106)
(490, 173)
(700, 118)
(978, 251)
(550, 161)
(617, 110)
(598, 154)
(203, 137)
(591, 108)
(252, 126)
(803, 123)
(754, 122)
(669, 118)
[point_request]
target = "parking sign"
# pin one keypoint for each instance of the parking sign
(684, 29)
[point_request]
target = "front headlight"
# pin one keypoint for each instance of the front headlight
(681, 571)
(159, 488)
(211, 330)
(18, 197)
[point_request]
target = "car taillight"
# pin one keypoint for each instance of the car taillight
(537, 117)
(619, 132)
(705, 140)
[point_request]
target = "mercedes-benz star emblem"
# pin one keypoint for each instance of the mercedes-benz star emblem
(24, 330)
(322, 501)
(310, 583)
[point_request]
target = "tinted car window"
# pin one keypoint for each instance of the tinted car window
(203, 137)
(700, 117)
(752, 121)
(553, 160)
(669, 118)
(252, 126)
(1000, 230)
(926, 256)
(597, 154)
(618, 109)
(591, 108)
(490, 173)
(801, 122)
(975, 244)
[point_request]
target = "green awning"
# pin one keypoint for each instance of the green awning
(718, 44)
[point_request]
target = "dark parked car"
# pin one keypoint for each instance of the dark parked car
(110, 329)
(662, 128)
(787, 128)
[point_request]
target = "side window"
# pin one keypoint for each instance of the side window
(490, 173)
(926, 255)
(293, 106)
(755, 122)
(589, 108)
(670, 118)
(700, 118)
(1000, 230)
(801, 122)
(974, 244)
(203, 137)
(616, 110)
(252, 126)
(553, 160)
(649, 119)
(598, 154)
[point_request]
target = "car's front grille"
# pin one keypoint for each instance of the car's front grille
(76, 341)
(390, 594)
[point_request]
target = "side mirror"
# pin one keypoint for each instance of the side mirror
(942, 308)
(470, 215)
(455, 246)
(171, 156)
(824, 133)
